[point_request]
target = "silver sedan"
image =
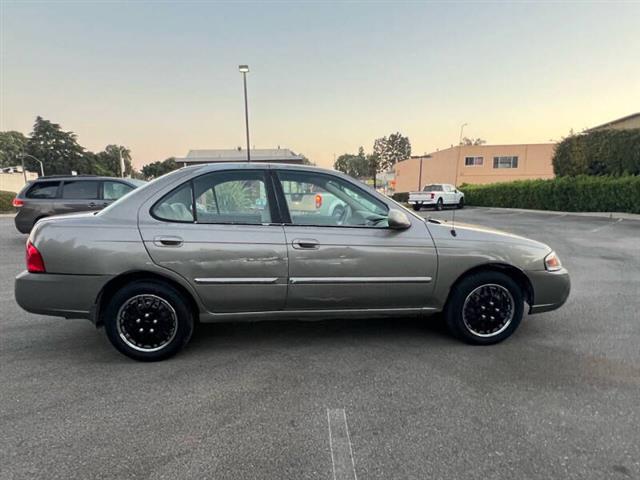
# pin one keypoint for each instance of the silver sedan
(228, 242)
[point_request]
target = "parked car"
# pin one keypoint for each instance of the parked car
(221, 242)
(436, 195)
(58, 194)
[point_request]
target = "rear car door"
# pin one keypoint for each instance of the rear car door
(78, 195)
(221, 232)
(112, 190)
(352, 261)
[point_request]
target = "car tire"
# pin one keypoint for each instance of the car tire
(416, 207)
(461, 203)
(148, 320)
(484, 308)
(439, 204)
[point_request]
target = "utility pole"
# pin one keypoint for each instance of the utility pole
(244, 69)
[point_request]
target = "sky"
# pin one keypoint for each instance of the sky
(161, 77)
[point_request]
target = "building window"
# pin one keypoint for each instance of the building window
(505, 162)
(473, 161)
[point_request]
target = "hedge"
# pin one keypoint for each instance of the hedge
(582, 193)
(6, 199)
(401, 197)
(604, 152)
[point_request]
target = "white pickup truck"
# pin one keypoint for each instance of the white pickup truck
(437, 195)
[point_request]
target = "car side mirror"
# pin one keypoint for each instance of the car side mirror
(398, 220)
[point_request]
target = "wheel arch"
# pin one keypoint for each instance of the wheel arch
(514, 273)
(119, 281)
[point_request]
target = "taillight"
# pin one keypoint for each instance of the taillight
(318, 200)
(35, 264)
(17, 202)
(433, 195)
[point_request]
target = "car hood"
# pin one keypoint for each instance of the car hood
(478, 233)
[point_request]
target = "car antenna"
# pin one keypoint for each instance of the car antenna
(455, 182)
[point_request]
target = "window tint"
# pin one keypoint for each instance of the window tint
(314, 199)
(43, 190)
(177, 206)
(115, 190)
(80, 189)
(232, 197)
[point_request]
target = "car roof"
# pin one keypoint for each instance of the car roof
(80, 177)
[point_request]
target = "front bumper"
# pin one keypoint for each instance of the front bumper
(550, 290)
(70, 296)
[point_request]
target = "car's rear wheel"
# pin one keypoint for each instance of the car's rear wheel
(439, 204)
(148, 320)
(416, 207)
(484, 308)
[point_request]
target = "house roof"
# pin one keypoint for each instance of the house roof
(613, 122)
(235, 155)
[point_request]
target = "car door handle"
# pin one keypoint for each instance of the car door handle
(305, 243)
(168, 241)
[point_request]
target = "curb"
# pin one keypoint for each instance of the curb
(7, 215)
(609, 215)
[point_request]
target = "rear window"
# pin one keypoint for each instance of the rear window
(43, 190)
(80, 190)
(115, 190)
(432, 188)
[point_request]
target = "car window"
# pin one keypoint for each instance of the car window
(432, 188)
(316, 199)
(232, 197)
(43, 190)
(115, 190)
(80, 189)
(177, 206)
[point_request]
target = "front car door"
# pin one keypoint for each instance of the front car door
(352, 260)
(221, 232)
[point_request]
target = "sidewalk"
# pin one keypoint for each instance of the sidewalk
(611, 215)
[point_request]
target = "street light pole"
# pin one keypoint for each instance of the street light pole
(37, 160)
(244, 69)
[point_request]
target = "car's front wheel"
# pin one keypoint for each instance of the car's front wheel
(461, 203)
(484, 308)
(148, 320)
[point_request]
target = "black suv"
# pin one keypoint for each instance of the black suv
(57, 194)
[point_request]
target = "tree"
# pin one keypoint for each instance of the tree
(354, 165)
(305, 160)
(12, 145)
(109, 160)
(57, 149)
(472, 141)
(159, 168)
(390, 150)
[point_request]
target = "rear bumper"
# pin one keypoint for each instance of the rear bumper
(550, 290)
(70, 296)
(423, 202)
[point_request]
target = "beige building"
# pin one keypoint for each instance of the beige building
(477, 164)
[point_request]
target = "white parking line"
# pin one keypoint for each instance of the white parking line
(344, 467)
(607, 225)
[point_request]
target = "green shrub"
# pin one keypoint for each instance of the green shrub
(604, 152)
(572, 194)
(401, 197)
(5, 201)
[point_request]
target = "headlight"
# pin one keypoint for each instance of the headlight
(552, 262)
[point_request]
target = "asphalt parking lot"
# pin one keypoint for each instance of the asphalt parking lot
(560, 399)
